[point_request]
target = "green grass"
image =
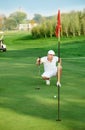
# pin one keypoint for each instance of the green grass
(22, 107)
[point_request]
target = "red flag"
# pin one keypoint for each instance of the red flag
(58, 26)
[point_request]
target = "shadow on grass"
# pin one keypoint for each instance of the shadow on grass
(29, 52)
(70, 49)
(26, 37)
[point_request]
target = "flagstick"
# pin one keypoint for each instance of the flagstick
(57, 32)
(58, 119)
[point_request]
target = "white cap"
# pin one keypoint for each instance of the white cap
(51, 52)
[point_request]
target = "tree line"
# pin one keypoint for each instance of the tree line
(72, 24)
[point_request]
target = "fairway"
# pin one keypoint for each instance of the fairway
(22, 106)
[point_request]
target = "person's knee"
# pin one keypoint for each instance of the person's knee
(45, 78)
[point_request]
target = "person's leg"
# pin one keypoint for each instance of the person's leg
(47, 80)
(46, 77)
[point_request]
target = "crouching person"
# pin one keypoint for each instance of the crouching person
(50, 68)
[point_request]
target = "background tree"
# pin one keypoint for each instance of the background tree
(74, 25)
(65, 24)
(19, 16)
(38, 18)
(82, 21)
(2, 21)
(43, 29)
(10, 24)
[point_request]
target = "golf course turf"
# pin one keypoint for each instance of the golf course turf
(22, 107)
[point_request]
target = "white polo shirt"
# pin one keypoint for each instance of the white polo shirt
(50, 68)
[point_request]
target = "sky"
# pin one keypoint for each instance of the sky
(43, 7)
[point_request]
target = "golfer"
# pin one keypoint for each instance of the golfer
(50, 68)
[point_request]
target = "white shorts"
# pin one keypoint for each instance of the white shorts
(49, 74)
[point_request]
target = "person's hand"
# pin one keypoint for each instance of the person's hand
(38, 61)
(58, 84)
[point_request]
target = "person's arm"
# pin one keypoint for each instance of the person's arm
(60, 61)
(38, 61)
(59, 72)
